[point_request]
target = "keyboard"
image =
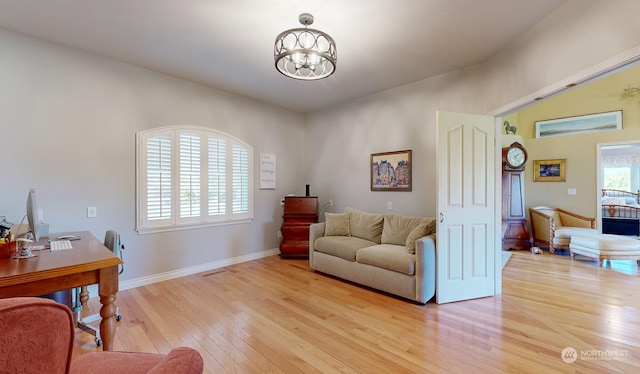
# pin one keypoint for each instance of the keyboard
(58, 245)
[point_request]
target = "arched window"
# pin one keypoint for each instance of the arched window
(191, 177)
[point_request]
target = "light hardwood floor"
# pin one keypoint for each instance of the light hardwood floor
(277, 316)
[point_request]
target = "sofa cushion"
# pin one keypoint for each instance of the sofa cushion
(365, 225)
(397, 227)
(388, 256)
(566, 232)
(336, 224)
(341, 246)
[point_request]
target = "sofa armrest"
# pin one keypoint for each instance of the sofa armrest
(425, 268)
(316, 230)
(180, 360)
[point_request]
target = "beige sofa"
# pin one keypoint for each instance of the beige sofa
(389, 252)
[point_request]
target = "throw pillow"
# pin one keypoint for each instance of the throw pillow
(336, 224)
(397, 227)
(613, 200)
(417, 233)
(365, 225)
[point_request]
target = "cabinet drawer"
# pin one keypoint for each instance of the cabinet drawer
(296, 205)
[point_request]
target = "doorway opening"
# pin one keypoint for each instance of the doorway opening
(618, 181)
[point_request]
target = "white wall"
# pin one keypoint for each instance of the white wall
(579, 35)
(67, 126)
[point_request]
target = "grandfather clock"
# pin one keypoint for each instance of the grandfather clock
(514, 221)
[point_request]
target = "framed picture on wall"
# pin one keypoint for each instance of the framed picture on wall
(549, 170)
(391, 171)
(579, 124)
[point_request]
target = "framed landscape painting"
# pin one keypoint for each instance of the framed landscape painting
(391, 171)
(579, 124)
(549, 170)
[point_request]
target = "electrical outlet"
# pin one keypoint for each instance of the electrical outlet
(92, 212)
(279, 234)
(330, 202)
(389, 205)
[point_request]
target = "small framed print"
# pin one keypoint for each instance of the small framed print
(549, 170)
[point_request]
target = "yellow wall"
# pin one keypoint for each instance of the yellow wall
(603, 95)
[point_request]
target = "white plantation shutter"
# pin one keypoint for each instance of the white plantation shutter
(158, 179)
(217, 187)
(240, 180)
(192, 177)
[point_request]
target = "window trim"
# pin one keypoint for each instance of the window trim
(175, 222)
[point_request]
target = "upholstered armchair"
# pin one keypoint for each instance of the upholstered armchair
(37, 336)
(554, 227)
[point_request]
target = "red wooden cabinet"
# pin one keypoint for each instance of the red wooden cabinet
(299, 213)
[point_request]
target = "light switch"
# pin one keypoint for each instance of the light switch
(92, 212)
(571, 191)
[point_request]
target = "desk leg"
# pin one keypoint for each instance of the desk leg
(84, 296)
(108, 288)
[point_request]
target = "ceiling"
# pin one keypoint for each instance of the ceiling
(228, 44)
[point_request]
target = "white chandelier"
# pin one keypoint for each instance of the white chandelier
(305, 53)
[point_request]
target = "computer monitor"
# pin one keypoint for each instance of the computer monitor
(32, 215)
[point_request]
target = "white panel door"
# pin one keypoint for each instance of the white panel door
(466, 234)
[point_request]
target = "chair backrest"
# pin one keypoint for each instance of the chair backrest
(551, 212)
(558, 219)
(112, 241)
(541, 217)
(37, 336)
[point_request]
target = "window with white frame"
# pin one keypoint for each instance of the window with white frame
(191, 177)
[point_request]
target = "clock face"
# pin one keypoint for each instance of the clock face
(516, 157)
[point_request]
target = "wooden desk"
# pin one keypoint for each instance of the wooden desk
(89, 262)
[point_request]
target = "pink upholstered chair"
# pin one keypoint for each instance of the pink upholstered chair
(37, 336)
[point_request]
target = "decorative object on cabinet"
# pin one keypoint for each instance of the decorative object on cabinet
(549, 170)
(508, 128)
(579, 124)
(514, 221)
(299, 213)
(391, 171)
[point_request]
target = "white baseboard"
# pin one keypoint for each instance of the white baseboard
(143, 281)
